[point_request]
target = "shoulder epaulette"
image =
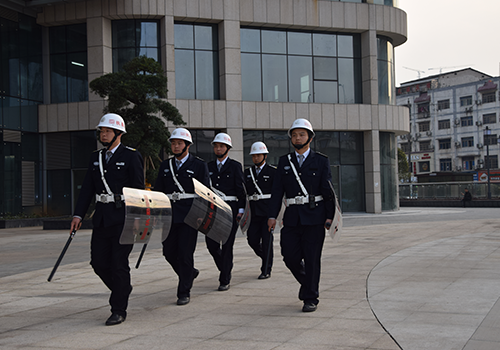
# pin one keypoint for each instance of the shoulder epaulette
(322, 154)
(98, 150)
(272, 166)
(199, 159)
(130, 148)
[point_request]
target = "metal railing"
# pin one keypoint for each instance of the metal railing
(447, 190)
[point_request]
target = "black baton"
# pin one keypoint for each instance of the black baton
(141, 255)
(61, 255)
(271, 241)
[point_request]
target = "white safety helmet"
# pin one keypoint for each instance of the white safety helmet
(113, 121)
(223, 138)
(181, 134)
(301, 123)
(258, 148)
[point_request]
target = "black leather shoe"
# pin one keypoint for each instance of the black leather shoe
(196, 272)
(264, 276)
(223, 287)
(309, 307)
(183, 301)
(114, 319)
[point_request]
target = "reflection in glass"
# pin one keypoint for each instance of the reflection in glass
(150, 52)
(250, 40)
(251, 83)
(29, 116)
(299, 43)
(351, 148)
(338, 78)
(300, 79)
(68, 64)
(123, 33)
(325, 68)
(59, 192)
(203, 144)
(205, 38)
(325, 91)
(206, 75)
(273, 41)
(196, 61)
(11, 178)
(77, 77)
(349, 75)
(83, 143)
(388, 173)
(327, 142)
(147, 34)
(183, 36)
(353, 188)
(274, 73)
(184, 74)
(346, 45)
(324, 45)
(12, 113)
(385, 62)
(133, 38)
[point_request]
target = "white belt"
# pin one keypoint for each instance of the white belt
(107, 198)
(256, 197)
(229, 198)
(302, 200)
(178, 196)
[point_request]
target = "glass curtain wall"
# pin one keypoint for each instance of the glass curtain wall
(133, 38)
(68, 63)
(292, 66)
(388, 171)
(196, 61)
(21, 90)
(67, 161)
(344, 150)
(385, 61)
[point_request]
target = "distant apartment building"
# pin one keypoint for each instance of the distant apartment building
(453, 126)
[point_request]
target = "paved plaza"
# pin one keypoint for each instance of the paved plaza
(415, 279)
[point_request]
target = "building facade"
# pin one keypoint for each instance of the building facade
(245, 67)
(454, 125)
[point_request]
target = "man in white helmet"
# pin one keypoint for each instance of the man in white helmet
(175, 179)
(304, 179)
(226, 176)
(110, 169)
(259, 182)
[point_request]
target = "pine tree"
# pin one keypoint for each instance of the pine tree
(138, 93)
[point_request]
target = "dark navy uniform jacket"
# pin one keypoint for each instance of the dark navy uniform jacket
(230, 180)
(124, 169)
(315, 174)
(193, 167)
(265, 182)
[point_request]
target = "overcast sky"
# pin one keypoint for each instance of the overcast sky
(449, 35)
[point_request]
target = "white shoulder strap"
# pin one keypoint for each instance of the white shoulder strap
(102, 173)
(297, 175)
(255, 182)
(175, 177)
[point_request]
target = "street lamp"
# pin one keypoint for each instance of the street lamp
(487, 132)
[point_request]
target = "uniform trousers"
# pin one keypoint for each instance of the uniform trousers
(223, 255)
(178, 250)
(109, 259)
(261, 240)
(301, 247)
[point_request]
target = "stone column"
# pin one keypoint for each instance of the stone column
(373, 195)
